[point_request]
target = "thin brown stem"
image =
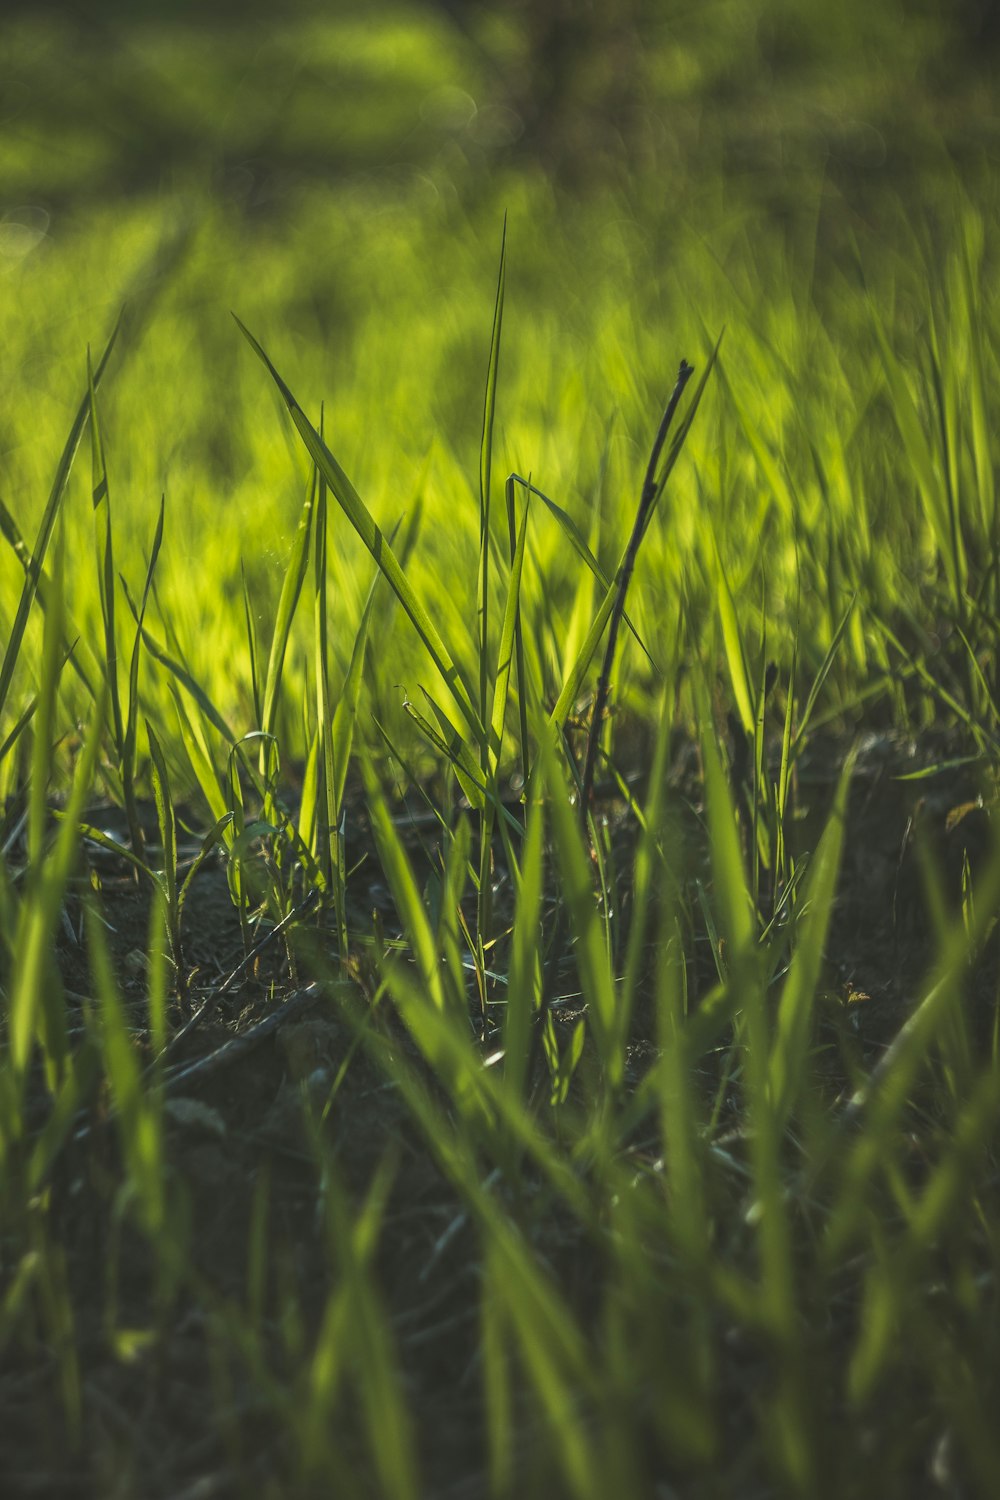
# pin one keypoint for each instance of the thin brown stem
(650, 490)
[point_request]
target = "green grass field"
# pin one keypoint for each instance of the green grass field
(498, 903)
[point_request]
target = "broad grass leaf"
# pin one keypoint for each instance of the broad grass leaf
(739, 673)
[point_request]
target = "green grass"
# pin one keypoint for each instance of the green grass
(638, 1141)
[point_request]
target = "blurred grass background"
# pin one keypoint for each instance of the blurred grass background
(338, 175)
(104, 100)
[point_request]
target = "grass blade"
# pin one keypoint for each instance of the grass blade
(63, 468)
(791, 1041)
(524, 982)
(591, 952)
(291, 590)
(105, 559)
(580, 547)
(375, 540)
(39, 914)
(485, 466)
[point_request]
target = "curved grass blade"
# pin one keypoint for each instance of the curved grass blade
(375, 540)
(12, 535)
(94, 835)
(30, 585)
(193, 737)
(580, 546)
(211, 840)
(414, 780)
(177, 670)
(574, 678)
(680, 436)
(652, 488)
(29, 712)
(450, 744)
(824, 670)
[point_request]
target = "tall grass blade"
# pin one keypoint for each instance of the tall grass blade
(30, 990)
(406, 893)
(824, 671)
(652, 488)
(524, 980)
(139, 1124)
(368, 1336)
(580, 547)
(505, 654)
(252, 651)
(345, 715)
(128, 743)
(591, 951)
(105, 559)
(291, 590)
(502, 676)
(739, 672)
(485, 467)
(791, 1041)
(783, 870)
(574, 678)
(733, 896)
(180, 673)
(374, 539)
(30, 586)
(71, 637)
